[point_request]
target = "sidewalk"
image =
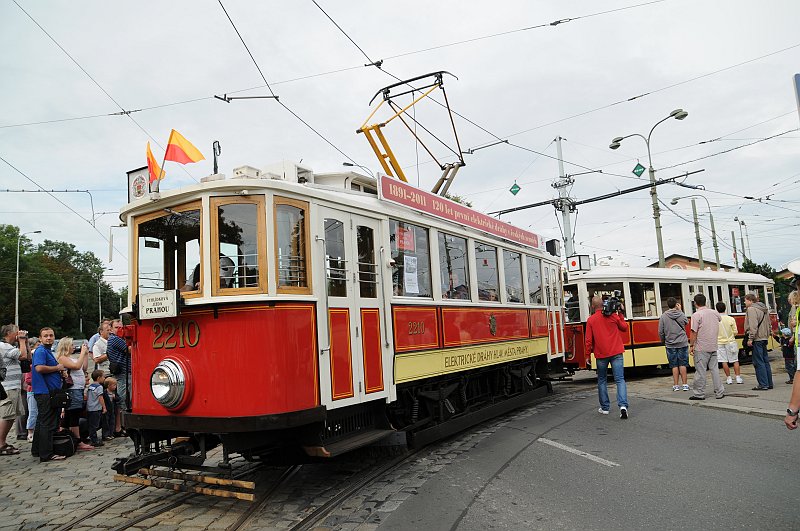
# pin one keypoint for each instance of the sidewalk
(738, 397)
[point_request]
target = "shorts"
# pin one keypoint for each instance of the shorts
(12, 407)
(728, 352)
(678, 357)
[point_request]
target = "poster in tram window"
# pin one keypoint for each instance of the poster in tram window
(410, 274)
(405, 240)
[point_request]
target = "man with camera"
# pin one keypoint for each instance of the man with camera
(13, 349)
(604, 331)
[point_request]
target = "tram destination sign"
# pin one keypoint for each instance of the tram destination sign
(396, 191)
(158, 305)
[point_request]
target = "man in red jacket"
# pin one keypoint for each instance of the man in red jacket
(604, 338)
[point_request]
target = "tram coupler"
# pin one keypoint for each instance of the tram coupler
(131, 465)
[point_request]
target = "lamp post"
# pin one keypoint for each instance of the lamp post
(678, 114)
(713, 229)
(16, 290)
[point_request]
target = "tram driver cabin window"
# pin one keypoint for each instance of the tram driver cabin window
(411, 261)
(168, 251)
(291, 237)
(571, 303)
(238, 240)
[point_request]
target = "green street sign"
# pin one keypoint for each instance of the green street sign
(638, 170)
(514, 189)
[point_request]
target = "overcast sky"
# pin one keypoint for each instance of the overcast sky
(729, 63)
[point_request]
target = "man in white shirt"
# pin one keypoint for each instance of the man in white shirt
(99, 349)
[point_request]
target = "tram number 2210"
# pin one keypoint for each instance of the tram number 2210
(181, 334)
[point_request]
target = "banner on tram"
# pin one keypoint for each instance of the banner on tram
(396, 191)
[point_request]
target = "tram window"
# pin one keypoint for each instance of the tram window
(168, 251)
(670, 289)
(737, 293)
(512, 267)
(486, 268)
(453, 267)
(411, 271)
(604, 290)
(643, 299)
(335, 259)
(367, 268)
(238, 233)
(758, 290)
(571, 303)
(534, 280)
(771, 299)
(291, 229)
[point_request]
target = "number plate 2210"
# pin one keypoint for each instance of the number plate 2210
(171, 335)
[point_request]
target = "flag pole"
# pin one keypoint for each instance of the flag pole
(163, 161)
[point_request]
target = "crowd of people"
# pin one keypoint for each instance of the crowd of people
(711, 340)
(47, 389)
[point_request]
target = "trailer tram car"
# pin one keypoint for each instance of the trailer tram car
(290, 310)
(644, 292)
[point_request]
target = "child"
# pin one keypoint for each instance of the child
(787, 348)
(727, 347)
(109, 419)
(95, 405)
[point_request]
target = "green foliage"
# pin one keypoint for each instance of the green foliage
(458, 199)
(782, 288)
(58, 286)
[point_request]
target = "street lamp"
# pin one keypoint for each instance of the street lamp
(678, 114)
(16, 291)
(713, 229)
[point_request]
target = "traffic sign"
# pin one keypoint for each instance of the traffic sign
(514, 189)
(638, 170)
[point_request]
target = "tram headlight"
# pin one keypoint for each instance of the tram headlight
(168, 383)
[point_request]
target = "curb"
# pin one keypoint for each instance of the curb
(725, 407)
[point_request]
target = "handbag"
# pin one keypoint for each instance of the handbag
(59, 398)
(115, 368)
(25, 365)
(67, 382)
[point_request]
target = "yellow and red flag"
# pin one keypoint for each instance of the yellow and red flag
(181, 150)
(152, 166)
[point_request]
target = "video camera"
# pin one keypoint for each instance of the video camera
(612, 304)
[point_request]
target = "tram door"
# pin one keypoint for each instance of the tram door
(713, 295)
(352, 367)
(555, 315)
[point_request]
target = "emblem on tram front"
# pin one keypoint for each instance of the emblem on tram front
(492, 325)
(139, 187)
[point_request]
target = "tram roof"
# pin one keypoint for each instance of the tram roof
(653, 273)
(325, 192)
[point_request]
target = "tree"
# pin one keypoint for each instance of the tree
(458, 199)
(782, 288)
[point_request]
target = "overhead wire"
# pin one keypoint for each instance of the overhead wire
(277, 99)
(123, 111)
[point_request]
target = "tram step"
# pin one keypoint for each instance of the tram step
(357, 440)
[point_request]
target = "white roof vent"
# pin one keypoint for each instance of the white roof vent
(246, 172)
(212, 177)
(290, 171)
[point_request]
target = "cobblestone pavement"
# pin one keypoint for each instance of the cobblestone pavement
(37, 495)
(43, 496)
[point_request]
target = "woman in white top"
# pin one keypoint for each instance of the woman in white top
(77, 371)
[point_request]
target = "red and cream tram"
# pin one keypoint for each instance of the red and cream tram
(644, 294)
(283, 308)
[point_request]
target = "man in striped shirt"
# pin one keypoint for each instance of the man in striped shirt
(11, 407)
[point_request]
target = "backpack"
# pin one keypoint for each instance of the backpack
(63, 444)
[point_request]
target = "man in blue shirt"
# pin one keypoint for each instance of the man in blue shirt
(118, 355)
(46, 375)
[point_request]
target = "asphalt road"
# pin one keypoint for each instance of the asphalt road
(667, 467)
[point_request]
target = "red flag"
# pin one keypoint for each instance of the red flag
(156, 173)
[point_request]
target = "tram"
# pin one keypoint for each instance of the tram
(644, 293)
(319, 312)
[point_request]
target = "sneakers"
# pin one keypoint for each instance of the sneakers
(685, 387)
(739, 380)
(602, 411)
(676, 387)
(697, 397)
(623, 412)
(729, 381)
